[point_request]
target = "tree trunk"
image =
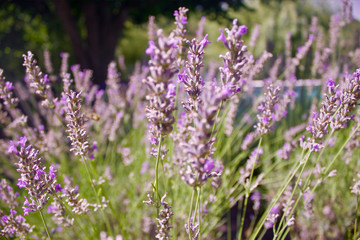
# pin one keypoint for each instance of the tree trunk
(103, 32)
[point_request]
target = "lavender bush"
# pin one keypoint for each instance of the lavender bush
(186, 149)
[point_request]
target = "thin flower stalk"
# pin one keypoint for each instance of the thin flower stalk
(79, 139)
(159, 112)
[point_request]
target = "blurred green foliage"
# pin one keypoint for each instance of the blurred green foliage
(23, 30)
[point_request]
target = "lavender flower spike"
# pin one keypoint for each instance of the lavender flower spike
(196, 143)
(266, 110)
(162, 95)
(38, 82)
(234, 59)
(6, 93)
(34, 178)
(191, 77)
(75, 126)
(14, 226)
(180, 32)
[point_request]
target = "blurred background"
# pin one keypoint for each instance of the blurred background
(94, 32)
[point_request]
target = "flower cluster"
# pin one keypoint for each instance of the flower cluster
(14, 225)
(75, 126)
(7, 194)
(191, 77)
(180, 32)
(234, 59)
(59, 212)
(349, 96)
(64, 63)
(164, 225)
(162, 96)
(39, 183)
(6, 93)
(335, 110)
(37, 82)
(196, 141)
(81, 78)
(355, 189)
(267, 110)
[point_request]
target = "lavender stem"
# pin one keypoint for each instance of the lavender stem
(44, 223)
(157, 175)
(291, 175)
(84, 161)
(247, 194)
(217, 116)
(191, 206)
(199, 192)
(356, 218)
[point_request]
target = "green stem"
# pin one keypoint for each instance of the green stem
(356, 212)
(262, 233)
(291, 175)
(44, 223)
(217, 116)
(107, 222)
(327, 169)
(253, 168)
(248, 190)
(342, 147)
(58, 117)
(292, 194)
(157, 197)
(243, 217)
(291, 212)
(285, 234)
(199, 200)
(319, 157)
(196, 205)
(190, 211)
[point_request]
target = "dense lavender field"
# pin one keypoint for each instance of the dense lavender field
(187, 150)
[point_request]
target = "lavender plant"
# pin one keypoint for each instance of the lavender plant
(243, 140)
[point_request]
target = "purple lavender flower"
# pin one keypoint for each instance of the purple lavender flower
(82, 79)
(34, 178)
(6, 93)
(256, 198)
(59, 214)
(195, 141)
(37, 82)
(151, 28)
(7, 194)
(335, 111)
(47, 61)
(234, 59)
(161, 99)
(75, 126)
(179, 34)
(191, 76)
(64, 63)
(14, 226)
(267, 109)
